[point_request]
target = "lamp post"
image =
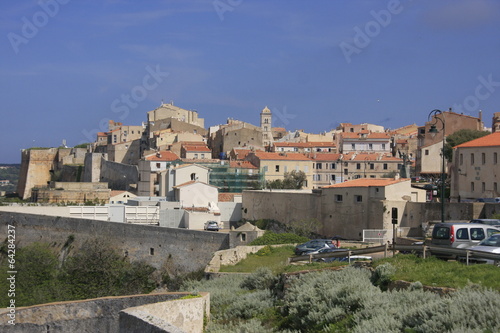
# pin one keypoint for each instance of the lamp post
(433, 130)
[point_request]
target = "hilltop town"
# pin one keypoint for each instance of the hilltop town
(224, 173)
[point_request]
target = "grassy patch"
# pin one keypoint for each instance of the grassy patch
(275, 258)
(436, 272)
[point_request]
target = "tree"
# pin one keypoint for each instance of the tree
(293, 180)
(459, 137)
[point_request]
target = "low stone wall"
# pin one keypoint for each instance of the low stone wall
(103, 314)
(230, 257)
(181, 315)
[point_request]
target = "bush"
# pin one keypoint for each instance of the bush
(263, 278)
(272, 238)
(382, 275)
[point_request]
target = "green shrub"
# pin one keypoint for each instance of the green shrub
(272, 238)
(262, 278)
(383, 275)
(249, 305)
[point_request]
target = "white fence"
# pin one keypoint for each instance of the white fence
(118, 213)
(376, 235)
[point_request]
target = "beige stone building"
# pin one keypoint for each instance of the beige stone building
(364, 141)
(165, 111)
(196, 152)
(475, 172)
(149, 169)
(178, 175)
(344, 209)
(235, 134)
(453, 122)
(335, 168)
(266, 120)
(350, 128)
(274, 165)
(304, 147)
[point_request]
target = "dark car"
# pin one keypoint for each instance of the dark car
(343, 258)
(211, 226)
(313, 245)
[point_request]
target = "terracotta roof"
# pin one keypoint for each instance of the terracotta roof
(375, 135)
(193, 143)
(278, 129)
(227, 197)
(325, 156)
(390, 158)
(365, 157)
(304, 144)
(368, 182)
(242, 164)
(281, 156)
(102, 134)
(490, 140)
(114, 193)
(241, 153)
(164, 155)
(196, 148)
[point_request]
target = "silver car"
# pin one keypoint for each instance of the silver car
(490, 245)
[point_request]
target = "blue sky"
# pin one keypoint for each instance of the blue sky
(67, 66)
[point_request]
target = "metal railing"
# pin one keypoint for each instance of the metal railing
(463, 254)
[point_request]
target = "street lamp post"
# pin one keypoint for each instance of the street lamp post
(434, 114)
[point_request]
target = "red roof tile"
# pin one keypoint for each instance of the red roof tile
(196, 148)
(282, 156)
(304, 144)
(491, 140)
(164, 155)
(375, 135)
(242, 164)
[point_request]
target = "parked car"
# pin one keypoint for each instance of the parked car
(330, 259)
(313, 245)
(492, 222)
(490, 245)
(461, 235)
(211, 226)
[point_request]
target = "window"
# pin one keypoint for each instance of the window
(495, 158)
(332, 178)
(383, 146)
(285, 168)
(277, 168)
(385, 166)
(202, 155)
(193, 176)
(306, 168)
(477, 234)
(495, 187)
(318, 166)
(461, 159)
(357, 176)
(158, 165)
(472, 159)
(483, 158)
(152, 251)
(358, 166)
(346, 172)
(265, 128)
(483, 187)
(244, 235)
(195, 156)
(266, 169)
(372, 166)
(426, 152)
(317, 177)
(333, 166)
(353, 146)
(338, 198)
(472, 186)
(463, 233)
(370, 146)
(358, 198)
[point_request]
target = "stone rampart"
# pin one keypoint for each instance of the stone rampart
(103, 315)
(181, 251)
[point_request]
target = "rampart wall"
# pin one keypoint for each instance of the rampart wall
(180, 251)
